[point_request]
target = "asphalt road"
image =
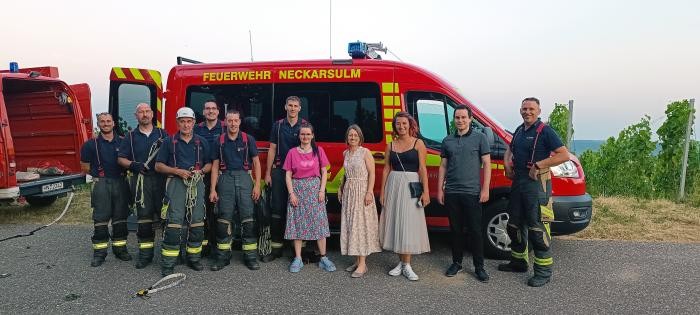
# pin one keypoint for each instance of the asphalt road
(50, 273)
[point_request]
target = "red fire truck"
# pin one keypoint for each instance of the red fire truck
(335, 94)
(43, 123)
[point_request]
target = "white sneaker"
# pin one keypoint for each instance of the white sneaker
(397, 270)
(408, 273)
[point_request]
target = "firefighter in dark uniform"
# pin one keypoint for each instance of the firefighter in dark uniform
(210, 129)
(109, 202)
(184, 158)
(530, 208)
(137, 154)
(234, 156)
(284, 135)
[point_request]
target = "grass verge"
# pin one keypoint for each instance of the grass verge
(79, 212)
(622, 218)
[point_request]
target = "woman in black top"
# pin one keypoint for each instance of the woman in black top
(402, 227)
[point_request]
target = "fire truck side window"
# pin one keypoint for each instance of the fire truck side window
(128, 96)
(332, 107)
(254, 101)
(435, 112)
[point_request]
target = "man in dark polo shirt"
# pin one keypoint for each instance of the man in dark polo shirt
(209, 129)
(184, 158)
(283, 136)
(463, 155)
(108, 199)
(234, 156)
(527, 163)
(137, 154)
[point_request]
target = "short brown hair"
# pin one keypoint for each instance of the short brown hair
(359, 133)
(531, 99)
(293, 98)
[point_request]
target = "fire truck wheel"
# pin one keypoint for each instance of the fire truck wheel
(495, 220)
(41, 201)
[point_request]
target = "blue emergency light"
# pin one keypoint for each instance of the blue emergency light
(14, 67)
(357, 49)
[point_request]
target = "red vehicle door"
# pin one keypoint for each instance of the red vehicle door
(129, 87)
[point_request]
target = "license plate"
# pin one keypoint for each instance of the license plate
(51, 187)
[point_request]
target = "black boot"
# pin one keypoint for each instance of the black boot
(195, 265)
(537, 281)
(145, 258)
(250, 259)
(219, 264)
(513, 267)
(98, 257)
(121, 253)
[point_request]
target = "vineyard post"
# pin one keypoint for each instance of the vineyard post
(569, 125)
(681, 191)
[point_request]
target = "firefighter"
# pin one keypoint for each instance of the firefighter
(210, 129)
(232, 186)
(137, 154)
(108, 199)
(527, 163)
(185, 160)
(284, 135)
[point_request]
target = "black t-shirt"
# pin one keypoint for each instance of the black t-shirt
(104, 156)
(523, 140)
(234, 152)
(288, 138)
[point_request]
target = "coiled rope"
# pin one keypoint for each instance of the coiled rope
(191, 190)
(139, 198)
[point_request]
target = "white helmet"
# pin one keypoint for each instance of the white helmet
(185, 112)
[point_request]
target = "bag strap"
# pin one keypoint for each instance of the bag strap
(398, 157)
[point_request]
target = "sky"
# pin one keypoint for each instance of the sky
(618, 60)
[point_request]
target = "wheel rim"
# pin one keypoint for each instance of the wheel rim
(496, 232)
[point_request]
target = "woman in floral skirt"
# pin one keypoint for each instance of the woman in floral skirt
(359, 226)
(306, 211)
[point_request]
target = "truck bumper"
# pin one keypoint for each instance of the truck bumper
(51, 185)
(9, 193)
(571, 213)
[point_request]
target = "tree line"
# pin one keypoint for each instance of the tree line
(630, 164)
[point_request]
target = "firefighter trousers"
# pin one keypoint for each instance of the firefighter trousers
(278, 216)
(210, 217)
(151, 191)
(236, 206)
(109, 203)
(177, 217)
(529, 199)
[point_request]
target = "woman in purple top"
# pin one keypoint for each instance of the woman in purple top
(306, 211)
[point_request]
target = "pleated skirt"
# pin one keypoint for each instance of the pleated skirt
(402, 227)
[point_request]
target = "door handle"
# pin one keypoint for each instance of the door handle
(378, 156)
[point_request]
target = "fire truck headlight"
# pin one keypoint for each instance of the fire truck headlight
(566, 169)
